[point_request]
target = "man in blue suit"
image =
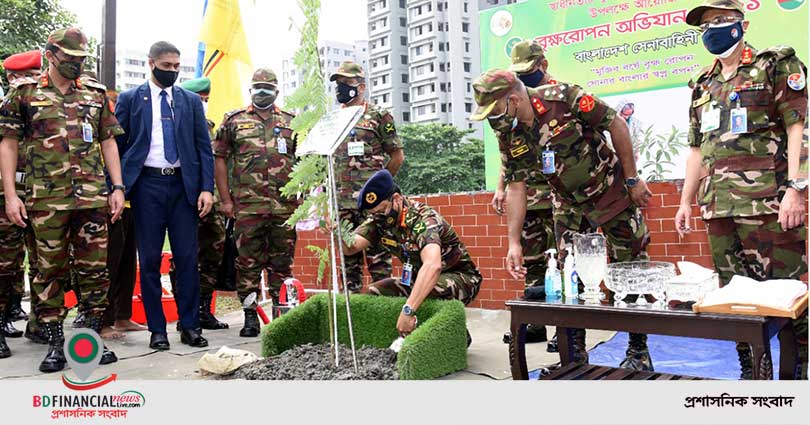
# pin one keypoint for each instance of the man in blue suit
(168, 171)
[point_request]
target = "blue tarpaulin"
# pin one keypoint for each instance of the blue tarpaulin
(707, 358)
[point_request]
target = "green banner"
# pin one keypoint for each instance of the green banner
(613, 47)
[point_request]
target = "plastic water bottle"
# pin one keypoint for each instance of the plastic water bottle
(571, 282)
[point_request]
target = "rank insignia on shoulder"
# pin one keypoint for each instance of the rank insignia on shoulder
(419, 227)
(586, 103)
(389, 242)
(538, 106)
(517, 141)
(702, 100)
(389, 128)
(796, 81)
(519, 150)
(747, 56)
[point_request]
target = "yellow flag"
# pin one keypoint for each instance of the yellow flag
(227, 57)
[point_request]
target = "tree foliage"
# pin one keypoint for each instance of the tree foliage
(658, 152)
(440, 158)
(26, 24)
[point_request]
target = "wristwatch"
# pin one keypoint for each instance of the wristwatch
(631, 181)
(798, 184)
(407, 310)
(119, 186)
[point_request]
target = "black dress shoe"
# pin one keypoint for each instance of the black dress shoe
(159, 341)
(552, 346)
(536, 333)
(193, 337)
(4, 350)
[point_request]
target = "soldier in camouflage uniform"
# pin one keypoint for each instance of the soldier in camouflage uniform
(435, 262)
(67, 129)
(211, 232)
(747, 174)
(559, 128)
(530, 64)
(357, 158)
(12, 237)
(261, 144)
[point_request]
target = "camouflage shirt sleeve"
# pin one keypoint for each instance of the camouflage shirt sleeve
(427, 230)
(791, 104)
(12, 123)
(387, 129)
(517, 160)
(222, 139)
(368, 230)
(693, 135)
(597, 115)
(108, 125)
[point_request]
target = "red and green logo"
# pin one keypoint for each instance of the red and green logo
(83, 352)
(789, 5)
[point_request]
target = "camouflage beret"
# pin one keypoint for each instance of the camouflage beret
(71, 40)
(378, 188)
(489, 87)
(348, 69)
(694, 15)
(197, 85)
(264, 75)
(23, 61)
(524, 55)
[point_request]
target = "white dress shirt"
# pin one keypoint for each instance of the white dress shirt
(156, 158)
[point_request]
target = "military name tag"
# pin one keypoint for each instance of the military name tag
(281, 145)
(356, 148)
(87, 132)
(702, 100)
(41, 103)
(739, 120)
(246, 126)
(388, 242)
(710, 120)
(519, 150)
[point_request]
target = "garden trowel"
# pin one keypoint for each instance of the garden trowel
(252, 301)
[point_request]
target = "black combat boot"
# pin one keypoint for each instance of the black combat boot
(6, 326)
(81, 320)
(578, 341)
(638, 356)
(534, 333)
(207, 319)
(16, 312)
(37, 336)
(94, 322)
(552, 346)
(4, 350)
(746, 367)
(251, 327)
(55, 360)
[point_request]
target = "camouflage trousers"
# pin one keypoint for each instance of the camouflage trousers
(14, 242)
(758, 248)
(377, 258)
(458, 285)
(263, 241)
(55, 232)
(537, 238)
(211, 246)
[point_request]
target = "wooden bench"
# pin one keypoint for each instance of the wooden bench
(592, 372)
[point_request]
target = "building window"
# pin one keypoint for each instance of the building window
(406, 116)
(444, 105)
(469, 87)
(465, 27)
(403, 40)
(406, 97)
(468, 107)
(439, 6)
(443, 87)
(403, 22)
(441, 67)
(466, 7)
(467, 66)
(405, 78)
(402, 4)
(385, 98)
(404, 59)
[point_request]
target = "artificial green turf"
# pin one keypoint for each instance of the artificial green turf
(436, 348)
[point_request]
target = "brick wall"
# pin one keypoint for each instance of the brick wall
(485, 235)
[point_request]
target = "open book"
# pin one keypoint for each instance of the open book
(779, 297)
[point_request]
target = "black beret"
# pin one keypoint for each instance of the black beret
(377, 189)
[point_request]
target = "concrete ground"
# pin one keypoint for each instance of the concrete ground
(488, 356)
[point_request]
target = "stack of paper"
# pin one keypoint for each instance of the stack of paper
(780, 294)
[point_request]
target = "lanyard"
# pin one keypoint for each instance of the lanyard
(403, 225)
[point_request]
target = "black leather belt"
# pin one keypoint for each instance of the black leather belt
(169, 171)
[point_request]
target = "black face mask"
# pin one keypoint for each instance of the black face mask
(345, 93)
(532, 80)
(263, 98)
(390, 218)
(165, 78)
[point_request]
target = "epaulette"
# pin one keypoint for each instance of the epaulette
(286, 113)
(88, 82)
(230, 114)
(21, 82)
(554, 92)
(780, 52)
(700, 76)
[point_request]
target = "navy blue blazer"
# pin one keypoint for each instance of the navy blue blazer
(134, 112)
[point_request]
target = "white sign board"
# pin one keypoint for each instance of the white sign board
(327, 134)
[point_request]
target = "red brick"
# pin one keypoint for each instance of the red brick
(668, 238)
(663, 188)
(672, 200)
(490, 220)
(690, 249)
(479, 251)
(656, 249)
(493, 284)
(473, 230)
(492, 305)
(502, 295)
(477, 210)
(437, 201)
(482, 198)
(662, 213)
(485, 294)
(451, 211)
(514, 285)
(490, 241)
(461, 200)
(462, 220)
(491, 262)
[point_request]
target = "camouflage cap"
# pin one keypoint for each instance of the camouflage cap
(489, 87)
(71, 41)
(348, 69)
(197, 85)
(524, 55)
(694, 15)
(264, 75)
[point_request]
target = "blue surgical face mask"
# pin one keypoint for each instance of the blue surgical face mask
(533, 79)
(721, 40)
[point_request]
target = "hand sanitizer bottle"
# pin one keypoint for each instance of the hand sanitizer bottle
(571, 283)
(553, 280)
